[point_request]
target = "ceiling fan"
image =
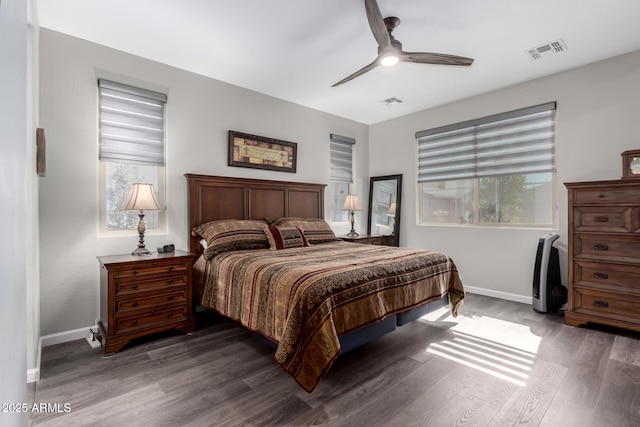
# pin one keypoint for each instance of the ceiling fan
(390, 50)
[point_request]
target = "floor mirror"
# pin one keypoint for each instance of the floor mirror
(384, 206)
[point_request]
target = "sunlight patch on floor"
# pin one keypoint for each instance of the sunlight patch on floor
(505, 350)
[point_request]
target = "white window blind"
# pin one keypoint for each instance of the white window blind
(131, 124)
(517, 142)
(342, 158)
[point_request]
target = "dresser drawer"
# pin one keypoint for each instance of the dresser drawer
(132, 285)
(614, 219)
(604, 247)
(617, 306)
(150, 318)
(606, 196)
(606, 276)
(146, 301)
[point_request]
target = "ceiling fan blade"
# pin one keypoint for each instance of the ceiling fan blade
(378, 27)
(360, 72)
(435, 58)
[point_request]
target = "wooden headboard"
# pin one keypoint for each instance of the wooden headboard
(214, 197)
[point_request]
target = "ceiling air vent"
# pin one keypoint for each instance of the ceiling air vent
(391, 101)
(556, 46)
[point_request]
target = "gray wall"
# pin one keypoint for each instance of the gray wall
(200, 111)
(597, 115)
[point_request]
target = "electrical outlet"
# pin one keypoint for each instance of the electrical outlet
(92, 340)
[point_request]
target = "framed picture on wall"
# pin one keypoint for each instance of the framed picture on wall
(259, 152)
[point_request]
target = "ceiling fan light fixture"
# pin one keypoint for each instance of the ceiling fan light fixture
(389, 60)
(390, 49)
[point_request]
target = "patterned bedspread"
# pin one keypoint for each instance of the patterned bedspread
(304, 298)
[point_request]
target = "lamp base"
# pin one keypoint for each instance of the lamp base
(352, 233)
(141, 251)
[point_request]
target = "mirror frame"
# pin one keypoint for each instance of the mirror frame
(396, 224)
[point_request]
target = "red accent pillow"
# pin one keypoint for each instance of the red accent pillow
(286, 237)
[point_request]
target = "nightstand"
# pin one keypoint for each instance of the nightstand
(142, 295)
(370, 239)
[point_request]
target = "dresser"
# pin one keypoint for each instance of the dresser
(143, 295)
(370, 239)
(604, 253)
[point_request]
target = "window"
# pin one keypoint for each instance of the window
(498, 170)
(131, 150)
(341, 174)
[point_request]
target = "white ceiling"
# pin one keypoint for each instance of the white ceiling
(296, 49)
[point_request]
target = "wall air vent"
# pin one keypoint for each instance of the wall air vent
(391, 101)
(556, 46)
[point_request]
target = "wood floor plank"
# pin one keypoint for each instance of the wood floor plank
(586, 372)
(528, 404)
(626, 349)
(619, 398)
(566, 413)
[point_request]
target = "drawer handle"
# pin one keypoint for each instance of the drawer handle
(599, 275)
(170, 280)
(170, 267)
(599, 303)
(601, 219)
(135, 271)
(134, 322)
(135, 286)
(171, 297)
(135, 303)
(171, 314)
(602, 196)
(601, 247)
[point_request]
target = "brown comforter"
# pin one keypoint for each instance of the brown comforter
(303, 298)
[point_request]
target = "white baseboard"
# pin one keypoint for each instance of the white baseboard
(33, 375)
(66, 336)
(497, 294)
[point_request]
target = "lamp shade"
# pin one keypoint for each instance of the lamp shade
(392, 209)
(351, 203)
(141, 198)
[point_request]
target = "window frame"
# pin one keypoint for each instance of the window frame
(160, 170)
(475, 180)
(336, 182)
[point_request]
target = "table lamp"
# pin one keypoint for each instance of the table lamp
(141, 198)
(352, 204)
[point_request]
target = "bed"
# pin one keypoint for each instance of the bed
(268, 260)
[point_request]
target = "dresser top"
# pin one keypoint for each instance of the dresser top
(610, 183)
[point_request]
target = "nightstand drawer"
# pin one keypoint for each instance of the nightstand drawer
(150, 318)
(607, 276)
(611, 305)
(142, 302)
(615, 219)
(130, 285)
(151, 269)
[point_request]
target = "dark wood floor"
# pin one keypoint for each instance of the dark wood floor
(498, 364)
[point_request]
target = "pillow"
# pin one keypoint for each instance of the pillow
(285, 237)
(231, 235)
(316, 230)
